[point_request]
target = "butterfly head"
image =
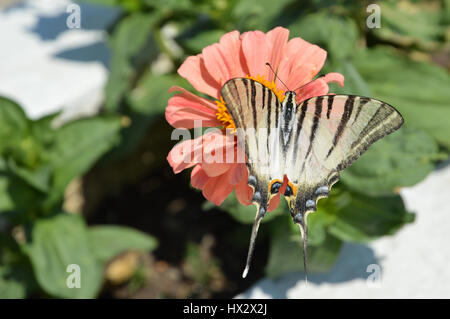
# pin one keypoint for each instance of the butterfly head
(289, 97)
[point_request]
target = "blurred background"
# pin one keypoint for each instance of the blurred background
(85, 187)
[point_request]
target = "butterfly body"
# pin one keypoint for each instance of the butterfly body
(307, 143)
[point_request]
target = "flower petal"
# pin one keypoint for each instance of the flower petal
(238, 173)
(244, 193)
(301, 62)
(216, 169)
(278, 39)
(187, 153)
(199, 178)
(319, 86)
(218, 152)
(334, 77)
(185, 108)
(231, 48)
(193, 69)
(222, 59)
(217, 189)
(257, 51)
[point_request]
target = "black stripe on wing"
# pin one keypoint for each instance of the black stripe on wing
(348, 109)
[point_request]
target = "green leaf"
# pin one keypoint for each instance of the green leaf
(411, 23)
(317, 227)
(147, 103)
(18, 198)
(152, 93)
(56, 243)
(129, 56)
(258, 14)
(246, 214)
(13, 124)
(10, 287)
(354, 82)
(201, 39)
(403, 158)
(78, 145)
(419, 90)
(286, 253)
(6, 202)
(38, 178)
(336, 34)
(109, 241)
(360, 218)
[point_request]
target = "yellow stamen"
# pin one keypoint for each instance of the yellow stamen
(222, 112)
(270, 84)
(223, 115)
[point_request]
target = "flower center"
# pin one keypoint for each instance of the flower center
(225, 117)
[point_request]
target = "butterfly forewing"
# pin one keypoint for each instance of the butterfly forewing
(256, 109)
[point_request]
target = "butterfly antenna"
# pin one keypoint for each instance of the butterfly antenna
(252, 242)
(275, 75)
(309, 82)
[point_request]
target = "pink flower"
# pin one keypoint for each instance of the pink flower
(237, 55)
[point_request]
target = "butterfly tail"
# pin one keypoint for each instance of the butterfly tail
(304, 231)
(259, 215)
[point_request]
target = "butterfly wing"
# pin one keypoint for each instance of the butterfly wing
(332, 131)
(255, 110)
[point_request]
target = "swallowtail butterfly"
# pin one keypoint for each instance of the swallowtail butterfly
(309, 143)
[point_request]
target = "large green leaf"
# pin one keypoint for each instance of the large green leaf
(16, 273)
(147, 102)
(360, 218)
(411, 23)
(152, 93)
(336, 34)
(196, 40)
(132, 47)
(286, 254)
(14, 124)
(419, 90)
(14, 130)
(109, 241)
(6, 202)
(56, 243)
(258, 14)
(78, 145)
(403, 158)
(38, 178)
(18, 198)
(10, 287)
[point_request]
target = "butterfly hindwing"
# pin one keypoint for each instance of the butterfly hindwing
(333, 131)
